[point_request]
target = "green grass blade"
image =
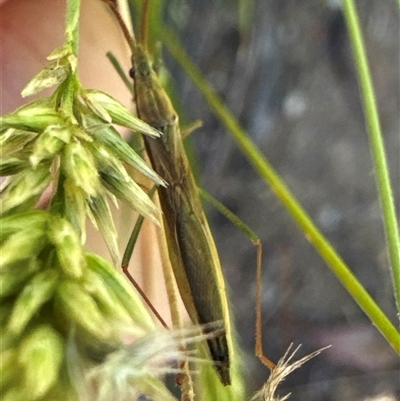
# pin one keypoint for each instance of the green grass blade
(376, 143)
(266, 171)
(120, 71)
(229, 215)
(134, 235)
(72, 24)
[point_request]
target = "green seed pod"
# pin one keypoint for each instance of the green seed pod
(19, 393)
(21, 221)
(34, 116)
(107, 300)
(107, 163)
(35, 293)
(110, 138)
(64, 51)
(75, 208)
(80, 168)
(7, 340)
(10, 369)
(68, 247)
(14, 277)
(41, 354)
(64, 390)
(80, 307)
(13, 164)
(22, 245)
(110, 110)
(26, 186)
(53, 74)
(5, 310)
(126, 294)
(12, 140)
(131, 192)
(49, 143)
(104, 221)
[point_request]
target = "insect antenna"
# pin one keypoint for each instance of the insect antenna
(145, 23)
(130, 38)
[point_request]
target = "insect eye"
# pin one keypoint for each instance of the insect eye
(146, 72)
(132, 72)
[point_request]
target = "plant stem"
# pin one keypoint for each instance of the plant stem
(72, 24)
(376, 143)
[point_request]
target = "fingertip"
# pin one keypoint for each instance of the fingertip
(31, 30)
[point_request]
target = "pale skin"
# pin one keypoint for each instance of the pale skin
(26, 42)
